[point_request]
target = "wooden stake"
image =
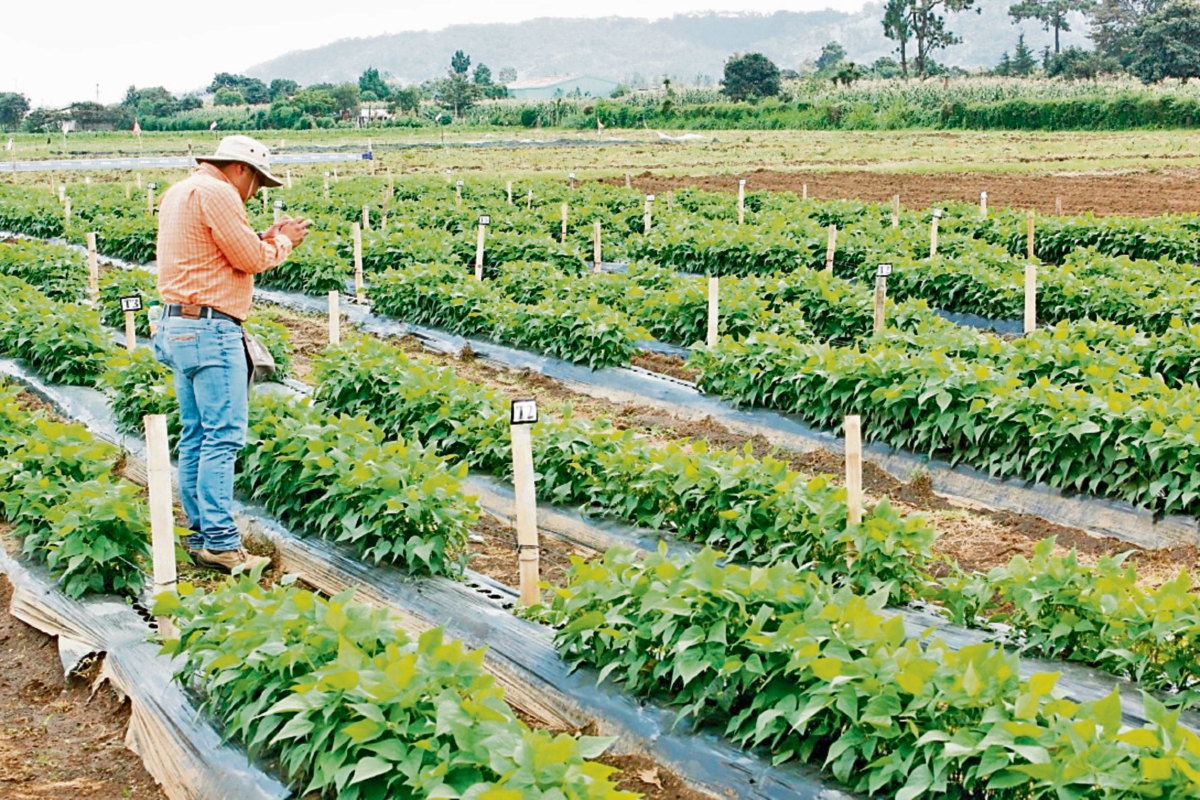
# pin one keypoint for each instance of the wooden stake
(479, 248)
(1030, 298)
(983, 205)
(1058, 205)
(510, 202)
(804, 191)
(391, 184)
(524, 490)
(335, 175)
(67, 211)
(628, 181)
(714, 300)
(335, 319)
(830, 248)
(127, 192)
(933, 233)
(529, 200)
(93, 267)
(854, 498)
(880, 301)
(646, 215)
(139, 180)
(458, 193)
(288, 174)
(670, 201)
(571, 181)
(150, 199)
(895, 211)
(366, 220)
(596, 246)
(326, 185)
(1029, 234)
(741, 201)
(356, 236)
(162, 517)
(130, 331)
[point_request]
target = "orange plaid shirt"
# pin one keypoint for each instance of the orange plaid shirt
(207, 251)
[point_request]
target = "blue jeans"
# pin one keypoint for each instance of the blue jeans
(211, 382)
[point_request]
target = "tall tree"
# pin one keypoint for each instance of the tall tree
(13, 108)
(251, 89)
(282, 88)
(1113, 24)
(1168, 43)
(896, 28)
(831, 55)
(922, 22)
(370, 81)
(1051, 13)
(1023, 61)
(929, 29)
(750, 76)
(460, 62)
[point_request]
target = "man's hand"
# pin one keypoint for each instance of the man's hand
(293, 229)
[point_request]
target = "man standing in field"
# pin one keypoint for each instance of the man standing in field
(207, 257)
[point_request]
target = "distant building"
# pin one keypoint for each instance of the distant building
(560, 86)
(374, 114)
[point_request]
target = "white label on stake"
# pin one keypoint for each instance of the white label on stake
(524, 412)
(485, 220)
(279, 204)
(937, 213)
(571, 176)
(649, 198)
(458, 184)
(883, 270)
(131, 303)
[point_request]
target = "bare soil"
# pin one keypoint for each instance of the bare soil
(57, 738)
(1134, 193)
(674, 366)
(493, 552)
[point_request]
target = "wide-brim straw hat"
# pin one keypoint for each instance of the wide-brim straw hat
(245, 150)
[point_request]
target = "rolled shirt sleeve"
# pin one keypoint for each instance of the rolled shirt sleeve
(238, 242)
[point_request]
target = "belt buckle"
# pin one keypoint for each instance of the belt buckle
(190, 311)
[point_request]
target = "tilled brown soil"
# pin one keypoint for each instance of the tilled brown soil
(1135, 193)
(58, 739)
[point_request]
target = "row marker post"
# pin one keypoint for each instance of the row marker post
(714, 295)
(162, 517)
(483, 223)
(523, 415)
(335, 320)
(881, 275)
(356, 236)
(854, 496)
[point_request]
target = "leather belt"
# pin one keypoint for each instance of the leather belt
(198, 312)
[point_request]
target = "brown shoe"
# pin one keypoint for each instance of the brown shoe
(228, 561)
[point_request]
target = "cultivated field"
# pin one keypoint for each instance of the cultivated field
(991, 600)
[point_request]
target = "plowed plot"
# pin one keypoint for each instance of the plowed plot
(1136, 193)
(57, 739)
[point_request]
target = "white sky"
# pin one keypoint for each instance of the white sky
(56, 51)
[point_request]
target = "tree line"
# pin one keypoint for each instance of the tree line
(1150, 39)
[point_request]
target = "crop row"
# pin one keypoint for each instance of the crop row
(330, 476)
(780, 660)
(751, 508)
(63, 502)
(759, 510)
(351, 706)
